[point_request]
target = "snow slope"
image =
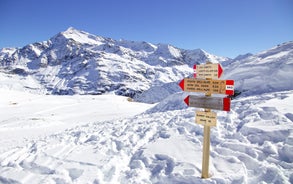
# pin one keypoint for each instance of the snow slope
(267, 71)
(251, 144)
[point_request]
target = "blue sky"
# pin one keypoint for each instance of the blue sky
(221, 27)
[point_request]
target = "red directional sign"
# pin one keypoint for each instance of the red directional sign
(212, 71)
(216, 103)
(207, 86)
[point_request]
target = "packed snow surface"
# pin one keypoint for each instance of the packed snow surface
(108, 139)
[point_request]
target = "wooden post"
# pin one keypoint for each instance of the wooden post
(206, 152)
(206, 146)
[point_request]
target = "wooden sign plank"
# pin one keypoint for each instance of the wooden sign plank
(206, 118)
(207, 86)
(216, 103)
(211, 71)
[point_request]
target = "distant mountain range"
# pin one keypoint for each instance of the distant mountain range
(77, 62)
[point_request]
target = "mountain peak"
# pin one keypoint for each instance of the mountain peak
(71, 30)
(283, 48)
(79, 36)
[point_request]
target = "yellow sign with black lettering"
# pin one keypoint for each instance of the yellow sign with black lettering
(206, 118)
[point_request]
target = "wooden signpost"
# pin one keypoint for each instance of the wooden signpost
(206, 81)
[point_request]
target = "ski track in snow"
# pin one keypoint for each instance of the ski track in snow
(251, 144)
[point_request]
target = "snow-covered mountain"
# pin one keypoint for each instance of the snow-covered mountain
(109, 139)
(76, 62)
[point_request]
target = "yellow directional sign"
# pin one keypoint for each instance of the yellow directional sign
(206, 118)
(208, 86)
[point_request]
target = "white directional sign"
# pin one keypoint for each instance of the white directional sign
(211, 71)
(206, 102)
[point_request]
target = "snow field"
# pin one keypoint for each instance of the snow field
(25, 116)
(251, 144)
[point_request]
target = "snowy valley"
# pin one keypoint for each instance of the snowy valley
(80, 108)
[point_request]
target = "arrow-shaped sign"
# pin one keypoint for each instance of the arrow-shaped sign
(211, 71)
(216, 103)
(207, 86)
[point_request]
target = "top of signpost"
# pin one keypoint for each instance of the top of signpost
(208, 71)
